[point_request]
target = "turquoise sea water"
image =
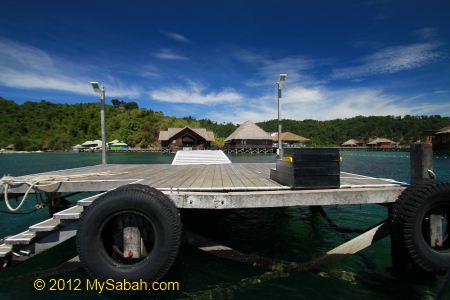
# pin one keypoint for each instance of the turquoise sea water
(293, 234)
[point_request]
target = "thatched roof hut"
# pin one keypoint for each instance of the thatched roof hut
(289, 137)
(382, 143)
(249, 134)
(248, 131)
(351, 143)
(443, 130)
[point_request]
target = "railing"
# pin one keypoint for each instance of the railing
(242, 146)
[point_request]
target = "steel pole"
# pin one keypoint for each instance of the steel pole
(280, 143)
(102, 122)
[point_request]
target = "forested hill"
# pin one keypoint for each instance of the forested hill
(405, 130)
(45, 125)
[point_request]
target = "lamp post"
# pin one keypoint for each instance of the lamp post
(280, 81)
(101, 91)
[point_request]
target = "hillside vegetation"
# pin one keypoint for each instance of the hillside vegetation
(45, 125)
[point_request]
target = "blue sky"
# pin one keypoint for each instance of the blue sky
(221, 59)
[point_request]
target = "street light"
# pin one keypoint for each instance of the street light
(280, 81)
(101, 90)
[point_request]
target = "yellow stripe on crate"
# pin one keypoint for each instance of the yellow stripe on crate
(289, 159)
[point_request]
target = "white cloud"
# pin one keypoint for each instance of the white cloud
(195, 93)
(321, 103)
(303, 95)
(267, 69)
(169, 54)
(149, 71)
(175, 36)
(26, 67)
(391, 60)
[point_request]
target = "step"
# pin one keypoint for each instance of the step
(45, 226)
(72, 213)
(88, 201)
(23, 238)
(206, 157)
(5, 250)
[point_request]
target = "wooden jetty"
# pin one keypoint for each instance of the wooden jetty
(243, 185)
(170, 189)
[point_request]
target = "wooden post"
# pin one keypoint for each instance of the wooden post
(131, 242)
(421, 160)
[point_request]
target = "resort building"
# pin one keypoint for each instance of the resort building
(441, 141)
(249, 136)
(352, 143)
(77, 148)
(187, 137)
(289, 139)
(427, 136)
(118, 146)
(382, 143)
(97, 145)
(92, 144)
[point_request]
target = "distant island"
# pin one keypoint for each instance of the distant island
(44, 125)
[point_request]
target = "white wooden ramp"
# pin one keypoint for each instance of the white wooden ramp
(200, 157)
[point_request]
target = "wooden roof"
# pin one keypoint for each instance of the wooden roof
(351, 142)
(380, 140)
(443, 130)
(249, 131)
(289, 137)
(171, 132)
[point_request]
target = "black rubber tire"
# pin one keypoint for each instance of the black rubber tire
(409, 212)
(151, 203)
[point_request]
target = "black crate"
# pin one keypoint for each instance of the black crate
(308, 168)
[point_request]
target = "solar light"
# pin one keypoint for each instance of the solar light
(281, 79)
(96, 86)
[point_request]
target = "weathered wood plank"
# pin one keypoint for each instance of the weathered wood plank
(286, 198)
(226, 180)
(208, 176)
(5, 250)
(22, 238)
(236, 170)
(45, 226)
(199, 178)
(217, 178)
(50, 240)
(71, 213)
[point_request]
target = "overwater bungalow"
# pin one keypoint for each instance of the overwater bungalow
(289, 139)
(187, 137)
(117, 146)
(92, 144)
(382, 143)
(77, 148)
(249, 137)
(352, 143)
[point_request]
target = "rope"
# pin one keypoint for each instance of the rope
(39, 181)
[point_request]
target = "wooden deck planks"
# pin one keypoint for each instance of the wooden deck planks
(208, 174)
(226, 180)
(217, 178)
(225, 177)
